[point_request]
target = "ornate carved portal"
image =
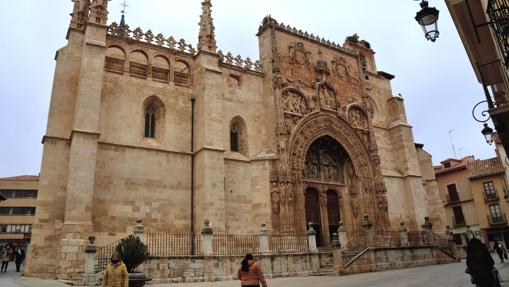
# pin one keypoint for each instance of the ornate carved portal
(326, 174)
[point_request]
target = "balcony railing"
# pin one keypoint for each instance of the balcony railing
(491, 197)
(497, 220)
(453, 199)
(458, 223)
(498, 11)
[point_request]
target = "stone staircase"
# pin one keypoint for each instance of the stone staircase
(326, 265)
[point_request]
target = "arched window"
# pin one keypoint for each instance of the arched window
(153, 117)
(115, 60)
(238, 136)
(138, 64)
(182, 74)
(160, 69)
(234, 140)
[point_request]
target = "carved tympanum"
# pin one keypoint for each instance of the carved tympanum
(324, 161)
(295, 102)
(358, 118)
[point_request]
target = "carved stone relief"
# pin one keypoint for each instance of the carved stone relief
(358, 118)
(299, 55)
(327, 97)
(324, 161)
(341, 69)
(295, 102)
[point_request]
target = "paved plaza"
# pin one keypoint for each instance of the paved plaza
(449, 275)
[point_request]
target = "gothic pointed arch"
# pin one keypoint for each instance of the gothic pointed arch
(238, 136)
(363, 172)
(153, 118)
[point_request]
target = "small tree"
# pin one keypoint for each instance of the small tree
(132, 251)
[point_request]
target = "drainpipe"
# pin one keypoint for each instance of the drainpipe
(192, 177)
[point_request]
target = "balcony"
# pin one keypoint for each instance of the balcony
(491, 197)
(452, 199)
(458, 223)
(497, 220)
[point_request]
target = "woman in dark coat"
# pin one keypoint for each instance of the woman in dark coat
(480, 264)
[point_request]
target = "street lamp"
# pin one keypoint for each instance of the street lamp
(487, 133)
(428, 18)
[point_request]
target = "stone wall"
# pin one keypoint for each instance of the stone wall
(380, 259)
(220, 268)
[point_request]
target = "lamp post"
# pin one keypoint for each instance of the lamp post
(428, 18)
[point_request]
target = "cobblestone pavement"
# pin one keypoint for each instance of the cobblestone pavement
(449, 275)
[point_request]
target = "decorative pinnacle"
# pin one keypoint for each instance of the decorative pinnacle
(206, 38)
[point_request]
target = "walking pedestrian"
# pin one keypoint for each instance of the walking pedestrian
(250, 273)
(480, 265)
(499, 248)
(6, 257)
(116, 273)
(19, 257)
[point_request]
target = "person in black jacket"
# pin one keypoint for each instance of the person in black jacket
(19, 256)
(499, 248)
(480, 264)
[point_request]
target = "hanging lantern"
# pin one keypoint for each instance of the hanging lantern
(487, 133)
(428, 19)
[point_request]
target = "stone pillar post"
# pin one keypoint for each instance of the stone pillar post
(315, 258)
(89, 278)
(368, 230)
(343, 240)
(336, 253)
(452, 241)
(403, 234)
(427, 232)
(312, 238)
(206, 239)
(264, 239)
(139, 230)
(265, 258)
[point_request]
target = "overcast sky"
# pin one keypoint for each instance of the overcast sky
(435, 79)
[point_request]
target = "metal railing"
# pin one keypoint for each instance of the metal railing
(235, 244)
(138, 70)
(497, 220)
(288, 243)
(161, 75)
(173, 244)
(458, 223)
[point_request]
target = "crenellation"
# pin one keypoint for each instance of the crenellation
(148, 37)
(239, 62)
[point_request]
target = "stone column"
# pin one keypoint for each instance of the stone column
(206, 239)
(427, 232)
(368, 230)
(264, 239)
(139, 230)
(324, 213)
(89, 278)
(403, 234)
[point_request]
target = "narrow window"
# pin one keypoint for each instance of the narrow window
(489, 188)
(150, 122)
(452, 193)
(459, 218)
(234, 140)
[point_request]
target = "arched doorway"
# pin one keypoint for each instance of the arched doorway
(324, 174)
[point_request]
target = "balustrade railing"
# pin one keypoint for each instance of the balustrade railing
(288, 243)
(173, 244)
(235, 244)
(114, 65)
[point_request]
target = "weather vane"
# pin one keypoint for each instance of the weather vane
(124, 5)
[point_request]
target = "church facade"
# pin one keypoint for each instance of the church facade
(144, 126)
